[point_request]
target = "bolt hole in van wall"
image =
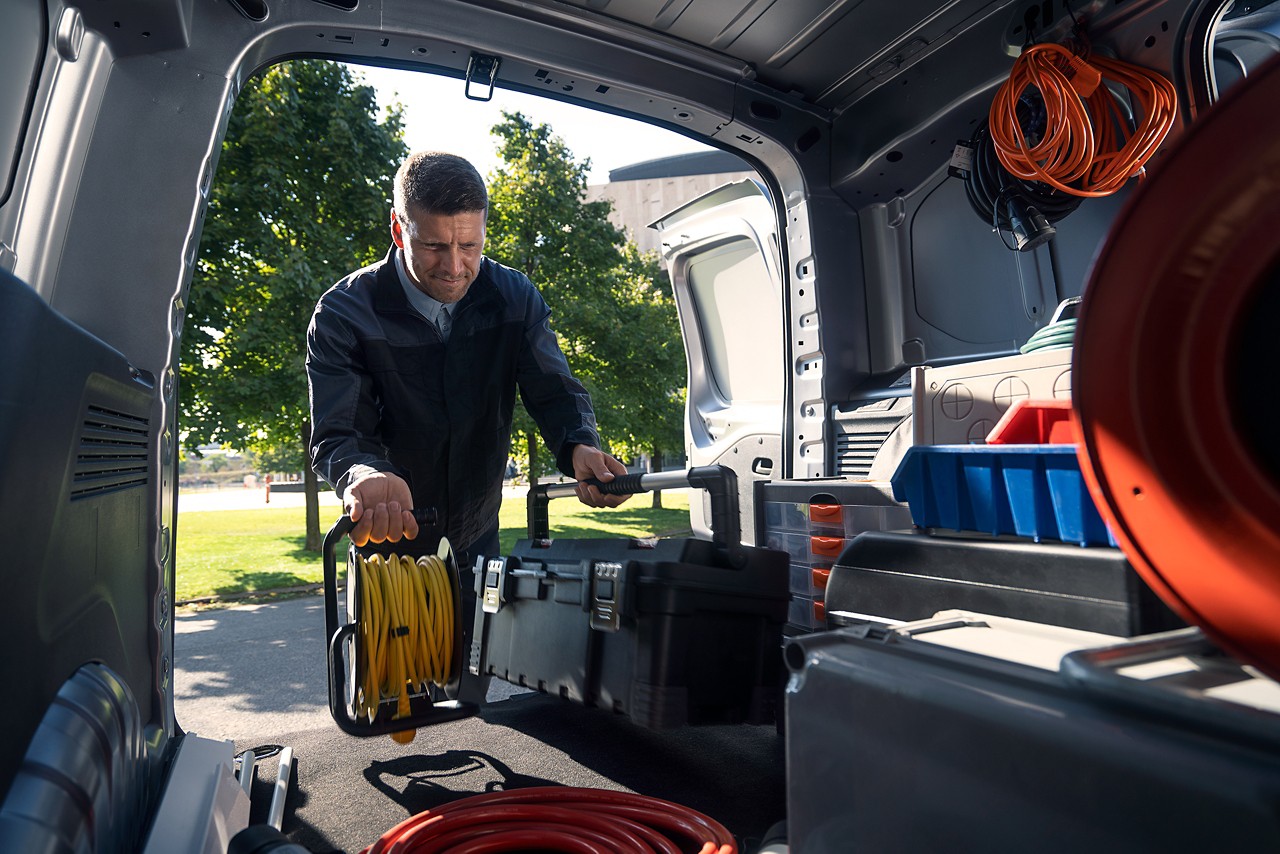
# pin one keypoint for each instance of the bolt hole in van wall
(897, 282)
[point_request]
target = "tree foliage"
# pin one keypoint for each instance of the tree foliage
(612, 306)
(301, 198)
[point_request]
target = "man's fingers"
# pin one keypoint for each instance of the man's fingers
(355, 507)
(360, 533)
(410, 524)
(395, 522)
(378, 532)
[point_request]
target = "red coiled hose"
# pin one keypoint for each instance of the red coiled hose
(554, 818)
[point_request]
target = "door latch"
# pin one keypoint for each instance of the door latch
(482, 70)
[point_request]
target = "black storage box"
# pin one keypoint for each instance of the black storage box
(912, 576)
(666, 632)
(973, 733)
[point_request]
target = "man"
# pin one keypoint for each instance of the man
(413, 365)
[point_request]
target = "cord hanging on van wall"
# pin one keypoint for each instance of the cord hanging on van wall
(1095, 137)
(1067, 125)
(1025, 210)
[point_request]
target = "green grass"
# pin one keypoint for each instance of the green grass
(225, 553)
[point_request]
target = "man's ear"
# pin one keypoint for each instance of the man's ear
(396, 234)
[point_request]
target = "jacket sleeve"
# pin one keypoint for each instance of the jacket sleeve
(345, 443)
(559, 404)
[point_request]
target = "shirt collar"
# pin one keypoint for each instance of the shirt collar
(426, 305)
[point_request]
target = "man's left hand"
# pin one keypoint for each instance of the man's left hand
(589, 462)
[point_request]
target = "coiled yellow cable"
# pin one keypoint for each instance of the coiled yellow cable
(405, 630)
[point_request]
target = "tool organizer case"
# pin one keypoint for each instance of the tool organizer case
(666, 632)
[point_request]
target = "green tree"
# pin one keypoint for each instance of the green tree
(639, 369)
(301, 197)
(613, 309)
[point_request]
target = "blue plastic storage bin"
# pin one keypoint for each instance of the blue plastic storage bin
(1034, 491)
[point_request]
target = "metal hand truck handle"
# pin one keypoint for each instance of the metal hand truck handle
(720, 482)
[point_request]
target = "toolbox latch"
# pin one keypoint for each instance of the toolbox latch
(495, 579)
(606, 596)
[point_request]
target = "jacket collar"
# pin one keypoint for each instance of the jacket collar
(389, 298)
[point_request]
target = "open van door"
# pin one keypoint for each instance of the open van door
(721, 252)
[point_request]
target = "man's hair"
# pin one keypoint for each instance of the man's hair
(438, 183)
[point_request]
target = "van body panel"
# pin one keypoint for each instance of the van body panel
(721, 252)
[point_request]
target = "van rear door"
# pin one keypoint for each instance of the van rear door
(721, 252)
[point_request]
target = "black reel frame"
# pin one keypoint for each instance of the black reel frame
(425, 709)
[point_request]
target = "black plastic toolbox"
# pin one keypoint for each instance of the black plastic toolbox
(667, 632)
(910, 576)
(975, 733)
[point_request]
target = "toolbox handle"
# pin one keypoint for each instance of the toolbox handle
(1096, 671)
(720, 482)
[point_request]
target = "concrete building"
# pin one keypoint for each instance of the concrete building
(643, 192)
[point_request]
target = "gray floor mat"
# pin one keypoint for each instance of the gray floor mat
(348, 791)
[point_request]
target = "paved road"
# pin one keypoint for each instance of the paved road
(251, 672)
(245, 672)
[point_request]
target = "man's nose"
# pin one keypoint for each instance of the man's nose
(453, 262)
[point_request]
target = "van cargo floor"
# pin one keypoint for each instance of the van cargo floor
(263, 664)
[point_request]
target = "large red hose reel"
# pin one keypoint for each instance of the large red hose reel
(1176, 348)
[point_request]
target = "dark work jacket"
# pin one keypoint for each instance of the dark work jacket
(387, 394)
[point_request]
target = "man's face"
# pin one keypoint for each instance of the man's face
(441, 251)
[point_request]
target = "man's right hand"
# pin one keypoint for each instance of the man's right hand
(381, 505)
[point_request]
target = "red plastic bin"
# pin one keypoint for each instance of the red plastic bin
(1034, 422)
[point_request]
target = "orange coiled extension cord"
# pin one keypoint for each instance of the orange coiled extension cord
(553, 818)
(1085, 149)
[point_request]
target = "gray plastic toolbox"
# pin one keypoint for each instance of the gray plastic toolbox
(667, 632)
(976, 733)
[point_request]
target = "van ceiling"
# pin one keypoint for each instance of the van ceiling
(826, 53)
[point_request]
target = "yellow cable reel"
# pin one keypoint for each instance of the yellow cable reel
(405, 630)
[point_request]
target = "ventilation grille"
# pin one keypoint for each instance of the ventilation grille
(855, 452)
(112, 453)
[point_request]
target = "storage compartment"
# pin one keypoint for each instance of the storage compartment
(1033, 491)
(963, 733)
(807, 612)
(828, 508)
(912, 576)
(811, 549)
(809, 581)
(813, 521)
(666, 632)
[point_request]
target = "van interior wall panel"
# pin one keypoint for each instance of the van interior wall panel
(1080, 236)
(919, 112)
(141, 26)
(839, 315)
(21, 56)
(133, 235)
(969, 293)
(76, 441)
